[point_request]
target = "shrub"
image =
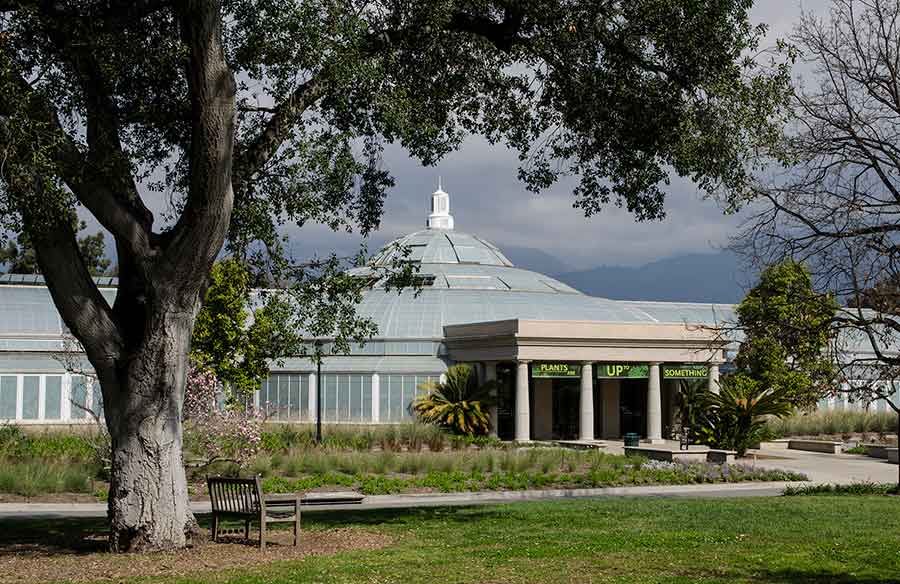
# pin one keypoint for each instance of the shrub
(864, 488)
(57, 446)
(9, 436)
(290, 436)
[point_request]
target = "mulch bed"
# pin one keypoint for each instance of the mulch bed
(83, 559)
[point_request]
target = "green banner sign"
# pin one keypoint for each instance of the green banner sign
(556, 370)
(622, 370)
(692, 371)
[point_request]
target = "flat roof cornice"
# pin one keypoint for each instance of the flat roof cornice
(575, 340)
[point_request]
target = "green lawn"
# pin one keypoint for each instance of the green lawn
(795, 539)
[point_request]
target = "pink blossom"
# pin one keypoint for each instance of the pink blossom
(222, 432)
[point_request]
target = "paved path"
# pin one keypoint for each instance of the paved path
(829, 468)
(819, 467)
(58, 510)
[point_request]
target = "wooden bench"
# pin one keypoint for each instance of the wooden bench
(242, 499)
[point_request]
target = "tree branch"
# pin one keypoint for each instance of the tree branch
(199, 234)
(14, 5)
(503, 35)
(86, 179)
(251, 158)
(82, 307)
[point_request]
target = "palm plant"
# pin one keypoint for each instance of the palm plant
(691, 401)
(736, 418)
(459, 404)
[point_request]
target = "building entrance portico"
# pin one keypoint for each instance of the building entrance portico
(621, 379)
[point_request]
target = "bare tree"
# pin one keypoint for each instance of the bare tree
(71, 357)
(831, 197)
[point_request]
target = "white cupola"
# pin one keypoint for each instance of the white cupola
(440, 217)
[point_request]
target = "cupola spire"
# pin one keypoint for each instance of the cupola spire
(440, 217)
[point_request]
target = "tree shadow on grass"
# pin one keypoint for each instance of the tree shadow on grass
(84, 535)
(71, 535)
(62, 535)
(811, 576)
(374, 517)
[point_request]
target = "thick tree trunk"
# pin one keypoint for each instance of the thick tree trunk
(148, 498)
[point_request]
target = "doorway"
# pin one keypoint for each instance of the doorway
(506, 401)
(632, 406)
(566, 408)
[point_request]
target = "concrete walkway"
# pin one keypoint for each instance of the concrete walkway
(819, 467)
(61, 510)
(829, 468)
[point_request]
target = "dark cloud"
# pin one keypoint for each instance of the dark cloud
(487, 199)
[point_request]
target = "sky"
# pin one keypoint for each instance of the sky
(487, 199)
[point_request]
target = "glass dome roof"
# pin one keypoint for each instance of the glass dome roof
(441, 246)
(459, 261)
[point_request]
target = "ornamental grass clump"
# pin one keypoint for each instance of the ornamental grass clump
(459, 404)
(834, 422)
(37, 477)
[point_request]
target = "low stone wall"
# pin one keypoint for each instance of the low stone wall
(876, 450)
(892, 455)
(667, 454)
(694, 454)
(780, 444)
(721, 456)
(825, 446)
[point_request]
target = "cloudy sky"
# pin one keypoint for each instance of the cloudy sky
(487, 199)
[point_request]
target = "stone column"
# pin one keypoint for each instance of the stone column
(586, 425)
(654, 406)
(490, 374)
(714, 378)
(523, 415)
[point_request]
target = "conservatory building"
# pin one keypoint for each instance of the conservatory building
(568, 365)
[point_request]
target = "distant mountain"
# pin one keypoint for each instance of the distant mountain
(536, 260)
(712, 277)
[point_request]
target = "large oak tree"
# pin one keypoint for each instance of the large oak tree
(232, 117)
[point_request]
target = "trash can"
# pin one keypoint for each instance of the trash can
(632, 439)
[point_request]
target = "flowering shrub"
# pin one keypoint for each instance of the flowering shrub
(232, 432)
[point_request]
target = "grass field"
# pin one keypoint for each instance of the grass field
(814, 539)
